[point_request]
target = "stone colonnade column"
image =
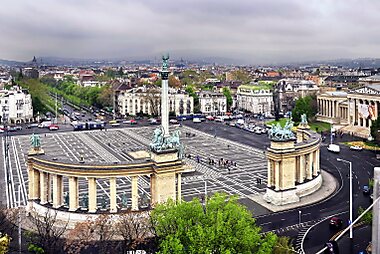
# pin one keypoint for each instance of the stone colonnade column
(92, 195)
(57, 191)
(113, 205)
(135, 194)
(73, 192)
(309, 171)
(302, 169)
(34, 182)
(43, 188)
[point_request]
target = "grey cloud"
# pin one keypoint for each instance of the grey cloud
(252, 31)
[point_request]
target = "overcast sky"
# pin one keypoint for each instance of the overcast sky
(250, 31)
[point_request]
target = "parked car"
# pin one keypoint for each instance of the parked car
(366, 190)
(356, 148)
(210, 118)
(173, 121)
(32, 125)
(333, 148)
(336, 222)
(197, 120)
(152, 121)
(18, 127)
(12, 128)
(53, 127)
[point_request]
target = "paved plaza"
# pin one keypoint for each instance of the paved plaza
(246, 178)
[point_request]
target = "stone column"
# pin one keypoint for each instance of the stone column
(324, 107)
(135, 193)
(179, 195)
(164, 96)
(73, 192)
(113, 206)
(333, 109)
(43, 188)
(34, 182)
(309, 172)
(48, 185)
(315, 161)
(302, 168)
(318, 161)
(92, 195)
(57, 191)
(277, 175)
(269, 181)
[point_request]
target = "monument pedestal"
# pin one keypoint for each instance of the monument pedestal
(163, 181)
(281, 197)
(34, 151)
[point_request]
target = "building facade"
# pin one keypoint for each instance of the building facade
(16, 106)
(212, 103)
(353, 111)
(289, 90)
(255, 99)
(144, 100)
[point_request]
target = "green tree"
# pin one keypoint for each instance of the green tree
(222, 225)
(283, 246)
(306, 105)
(227, 93)
(375, 129)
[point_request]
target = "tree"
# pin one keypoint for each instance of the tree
(97, 234)
(47, 231)
(4, 243)
(174, 82)
(375, 129)
(283, 246)
(221, 225)
(227, 93)
(306, 105)
(134, 228)
(367, 218)
(152, 97)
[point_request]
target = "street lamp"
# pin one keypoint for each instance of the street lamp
(299, 216)
(349, 162)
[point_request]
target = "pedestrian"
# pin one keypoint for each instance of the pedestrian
(235, 164)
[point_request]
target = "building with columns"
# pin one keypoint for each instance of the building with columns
(353, 111)
(147, 101)
(293, 167)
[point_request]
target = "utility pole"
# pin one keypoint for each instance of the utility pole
(375, 212)
(56, 108)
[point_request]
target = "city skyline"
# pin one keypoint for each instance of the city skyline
(247, 32)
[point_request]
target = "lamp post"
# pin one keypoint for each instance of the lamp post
(299, 216)
(349, 162)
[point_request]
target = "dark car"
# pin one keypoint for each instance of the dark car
(366, 190)
(336, 222)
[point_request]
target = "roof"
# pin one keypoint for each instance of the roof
(375, 86)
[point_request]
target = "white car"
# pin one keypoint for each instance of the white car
(196, 120)
(333, 148)
(174, 121)
(356, 148)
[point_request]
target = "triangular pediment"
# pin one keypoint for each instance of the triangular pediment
(365, 90)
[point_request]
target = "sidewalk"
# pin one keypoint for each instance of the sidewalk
(329, 185)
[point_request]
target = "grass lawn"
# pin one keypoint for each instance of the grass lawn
(321, 126)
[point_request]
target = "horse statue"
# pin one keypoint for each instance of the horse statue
(158, 139)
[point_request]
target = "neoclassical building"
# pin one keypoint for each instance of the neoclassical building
(352, 111)
(255, 98)
(147, 101)
(212, 103)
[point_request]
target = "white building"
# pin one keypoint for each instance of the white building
(16, 106)
(147, 101)
(255, 99)
(213, 103)
(5, 79)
